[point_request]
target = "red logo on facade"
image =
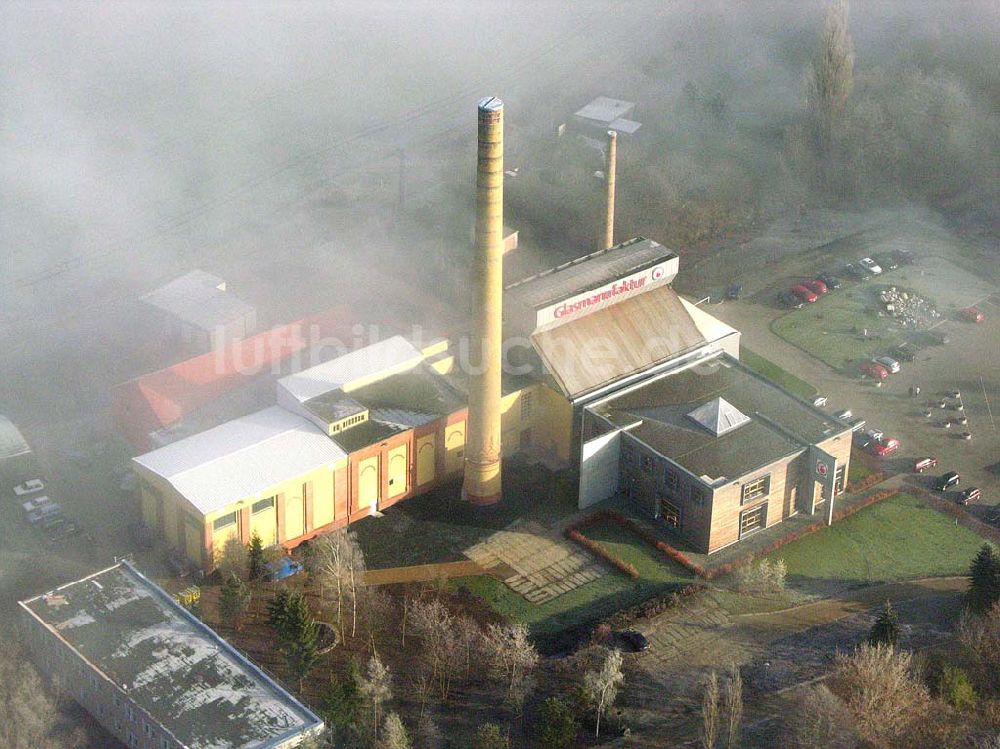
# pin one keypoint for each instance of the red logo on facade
(821, 468)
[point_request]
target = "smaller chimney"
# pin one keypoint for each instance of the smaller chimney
(608, 234)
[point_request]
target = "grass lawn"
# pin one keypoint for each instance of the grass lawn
(593, 601)
(901, 538)
(776, 374)
(826, 329)
(858, 472)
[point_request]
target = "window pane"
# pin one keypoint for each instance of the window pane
(224, 522)
(263, 505)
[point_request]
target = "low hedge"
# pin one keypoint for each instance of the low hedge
(599, 549)
(645, 534)
(867, 482)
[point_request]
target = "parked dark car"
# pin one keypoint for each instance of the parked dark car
(62, 531)
(831, 281)
(734, 291)
(632, 640)
(904, 352)
(788, 299)
(948, 480)
(972, 494)
(904, 257)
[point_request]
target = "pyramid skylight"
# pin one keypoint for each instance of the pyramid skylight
(719, 416)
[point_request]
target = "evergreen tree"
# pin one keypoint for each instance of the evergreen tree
(984, 586)
(277, 611)
(490, 736)
(831, 78)
(234, 601)
(299, 639)
(394, 735)
(255, 557)
(344, 702)
(558, 726)
(885, 630)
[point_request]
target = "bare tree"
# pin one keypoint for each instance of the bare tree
(30, 712)
(376, 686)
(880, 688)
(822, 721)
(355, 575)
(510, 652)
(710, 712)
(429, 736)
(470, 636)
(734, 707)
(981, 637)
(432, 624)
(329, 558)
(831, 77)
(602, 684)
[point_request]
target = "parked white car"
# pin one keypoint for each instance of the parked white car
(870, 265)
(35, 503)
(819, 401)
(29, 487)
(844, 415)
(888, 362)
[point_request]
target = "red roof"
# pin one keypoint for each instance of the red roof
(161, 398)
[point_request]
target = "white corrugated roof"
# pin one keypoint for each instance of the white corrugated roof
(605, 109)
(199, 298)
(402, 418)
(12, 442)
(378, 357)
(242, 457)
(719, 416)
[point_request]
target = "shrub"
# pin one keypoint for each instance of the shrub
(762, 578)
(953, 686)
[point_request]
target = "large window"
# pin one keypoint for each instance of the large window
(670, 481)
(670, 514)
(697, 495)
(262, 506)
(224, 522)
(647, 463)
(753, 520)
(756, 489)
(526, 404)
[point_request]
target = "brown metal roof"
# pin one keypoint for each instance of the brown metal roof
(623, 339)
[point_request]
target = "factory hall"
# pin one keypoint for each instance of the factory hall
(596, 367)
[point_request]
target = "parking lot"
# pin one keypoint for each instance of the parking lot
(969, 363)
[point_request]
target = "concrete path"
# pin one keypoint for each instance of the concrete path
(423, 573)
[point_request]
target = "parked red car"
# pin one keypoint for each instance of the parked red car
(885, 446)
(973, 314)
(803, 293)
(873, 369)
(817, 286)
(922, 464)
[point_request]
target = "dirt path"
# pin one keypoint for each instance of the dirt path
(423, 573)
(665, 688)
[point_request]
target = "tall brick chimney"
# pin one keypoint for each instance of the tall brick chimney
(482, 447)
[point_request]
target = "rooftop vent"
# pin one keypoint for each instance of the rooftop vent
(719, 416)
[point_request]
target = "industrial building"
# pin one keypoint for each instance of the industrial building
(197, 309)
(152, 674)
(587, 366)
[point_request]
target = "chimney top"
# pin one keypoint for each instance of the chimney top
(490, 104)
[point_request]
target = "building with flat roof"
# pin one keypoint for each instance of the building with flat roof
(605, 113)
(604, 358)
(197, 308)
(152, 674)
(715, 451)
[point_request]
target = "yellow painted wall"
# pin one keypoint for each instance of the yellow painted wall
(265, 524)
(553, 422)
(295, 509)
(397, 471)
(426, 449)
(368, 481)
(454, 445)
